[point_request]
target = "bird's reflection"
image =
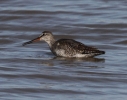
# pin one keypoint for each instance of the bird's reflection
(62, 60)
(80, 59)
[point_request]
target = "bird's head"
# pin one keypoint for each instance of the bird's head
(45, 36)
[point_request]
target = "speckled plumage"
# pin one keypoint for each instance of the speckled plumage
(67, 47)
(72, 48)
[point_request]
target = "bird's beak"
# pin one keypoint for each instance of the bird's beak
(31, 41)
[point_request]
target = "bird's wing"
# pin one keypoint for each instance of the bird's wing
(74, 46)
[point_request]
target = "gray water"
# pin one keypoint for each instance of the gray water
(34, 73)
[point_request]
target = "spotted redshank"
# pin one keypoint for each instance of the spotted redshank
(66, 47)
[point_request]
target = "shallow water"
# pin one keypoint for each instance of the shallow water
(34, 73)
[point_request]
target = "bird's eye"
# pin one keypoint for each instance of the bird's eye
(45, 34)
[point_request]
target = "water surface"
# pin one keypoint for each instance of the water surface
(34, 73)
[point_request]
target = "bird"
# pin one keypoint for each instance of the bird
(66, 47)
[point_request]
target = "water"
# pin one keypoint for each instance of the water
(34, 73)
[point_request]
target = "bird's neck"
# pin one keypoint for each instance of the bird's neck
(51, 42)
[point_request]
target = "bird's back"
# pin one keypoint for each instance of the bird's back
(72, 48)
